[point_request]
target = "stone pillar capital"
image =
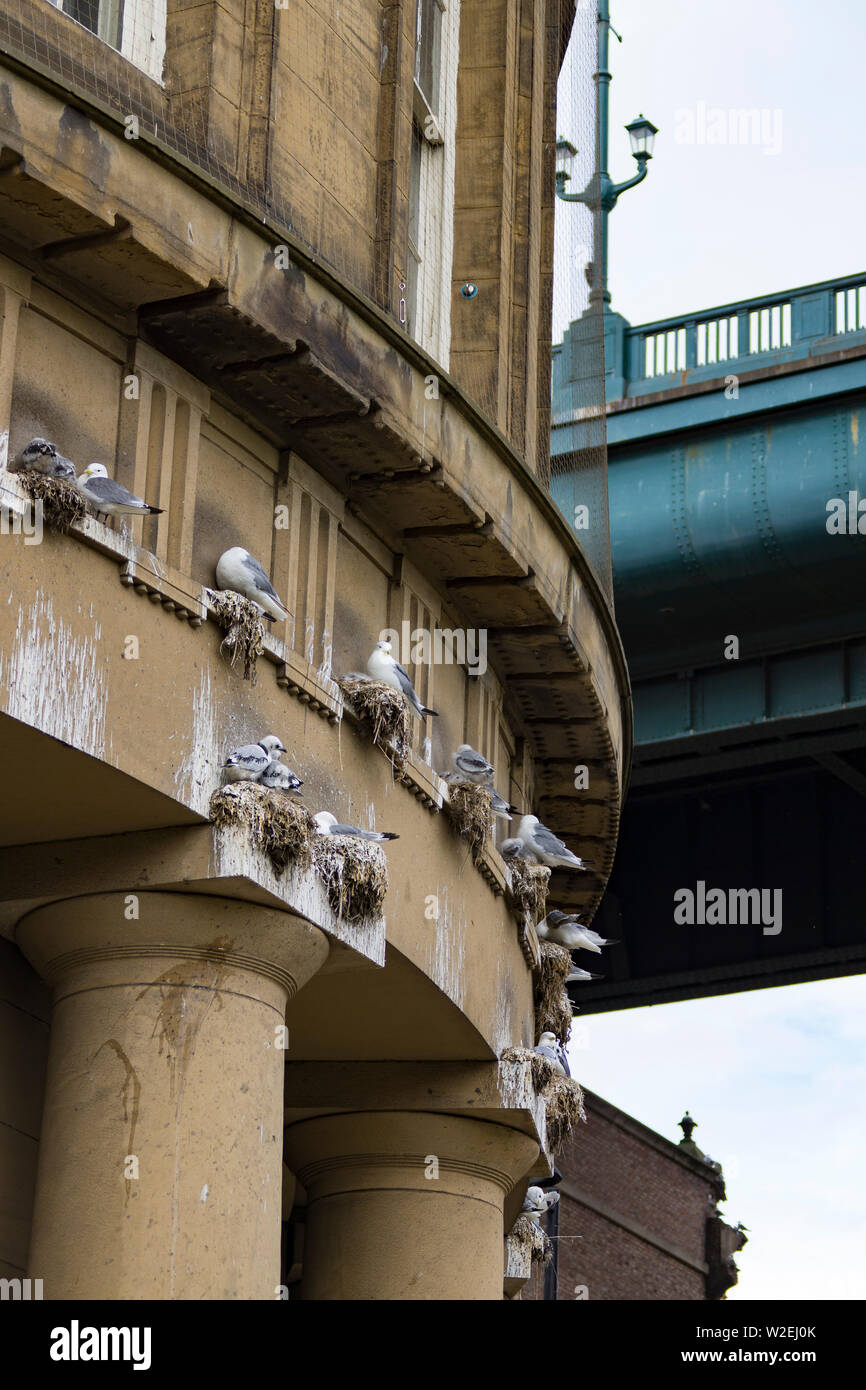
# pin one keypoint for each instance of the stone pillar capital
(405, 1204)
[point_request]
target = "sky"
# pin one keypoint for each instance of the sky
(713, 223)
(775, 1077)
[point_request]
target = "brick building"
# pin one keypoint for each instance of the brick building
(637, 1217)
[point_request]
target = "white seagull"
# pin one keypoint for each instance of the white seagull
(500, 806)
(383, 667)
(41, 456)
(247, 763)
(326, 824)
(280, 778)
(238, 570)
(537, 1202)
(550, 1047)
(566, 929)
(471, 765)
(546, 847)
(109, 498)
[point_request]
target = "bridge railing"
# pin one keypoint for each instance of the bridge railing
(784, 326)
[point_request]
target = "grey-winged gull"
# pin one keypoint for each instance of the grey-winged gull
(247, 763)
(546, 847)
(550, 1047)
(471, 765)
(109, 498)
(326, 824)
(382, 666)
(238, 570)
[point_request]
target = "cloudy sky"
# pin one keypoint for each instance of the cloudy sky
(776, 1078)
(713, 222)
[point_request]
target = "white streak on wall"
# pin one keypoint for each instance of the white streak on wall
(446, 950)
(54, 677)
(199, 771)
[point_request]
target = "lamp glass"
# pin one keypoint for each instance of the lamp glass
(565, 155)
(642, 134)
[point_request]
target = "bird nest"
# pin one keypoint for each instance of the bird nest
(244, 630)
(563, 1105)
(471, 809)
(281, 828)
(529, 1240)
(529, 887)
(552, 1004)
(543, 1070)
(383, 715)
(354, 873)
(61, 502)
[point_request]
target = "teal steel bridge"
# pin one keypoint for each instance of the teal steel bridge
(737, 494)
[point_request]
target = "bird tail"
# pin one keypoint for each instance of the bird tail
(425, 710)
(154, 511)
(388, 835)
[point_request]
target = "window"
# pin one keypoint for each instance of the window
(428, 43)
(431, 176)
(136, 28)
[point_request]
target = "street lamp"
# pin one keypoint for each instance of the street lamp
(601, 193)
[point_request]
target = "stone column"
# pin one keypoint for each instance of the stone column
(160, 1158)
(405, 1204)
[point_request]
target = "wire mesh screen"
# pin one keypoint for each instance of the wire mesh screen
(390, 141)
(578, 466)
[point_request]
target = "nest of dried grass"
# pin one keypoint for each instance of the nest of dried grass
(552, 1005)
(530, 1240)
(529, 887)
(563, 1104)
(383, 714)
(471, 809)
(62, 503)
(244, 629)
(280, 827)
(354, 873)
(543, 1071)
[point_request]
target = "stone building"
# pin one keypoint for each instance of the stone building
(287, 274)
(638, 1217)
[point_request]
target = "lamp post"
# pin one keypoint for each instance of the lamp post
(601, 193)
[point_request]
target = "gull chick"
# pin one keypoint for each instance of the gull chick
(537, 1202)
(326, 824)
(516, 849)
(247, 763)
(383, 667)
(550, 1047)
(546, 847)
(280, 778)
(471, 765)
(238, 570)
(109, 498)
(41, 456)
(566, 929)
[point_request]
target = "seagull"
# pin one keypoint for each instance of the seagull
(238, 570)
(41, 456)
(280, 778)
(578, 974)
(550, 1047)
(326, 824)
(537, 1202)
(382, 666)
(471, 765)
(546, 847)
(566, 929)
(516, 849)
(247, 763)
(109, 498)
